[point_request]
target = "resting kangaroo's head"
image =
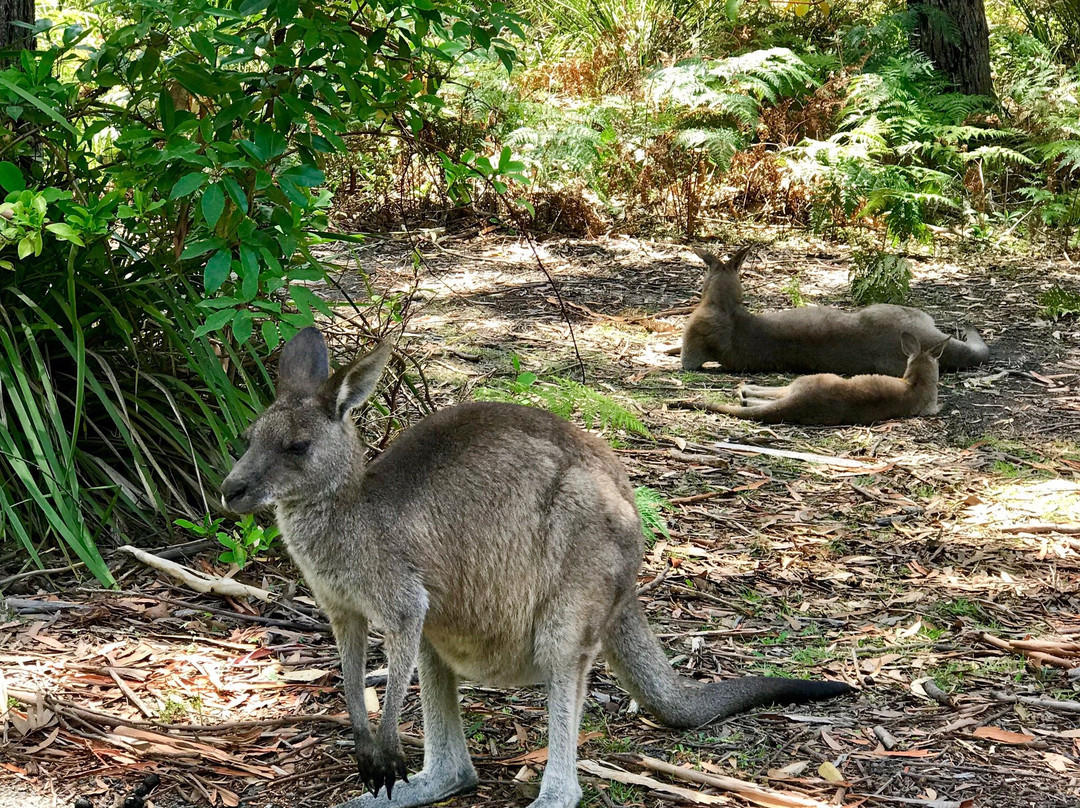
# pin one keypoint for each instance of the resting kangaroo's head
(919, 360)
(722, 287)
(304, 445)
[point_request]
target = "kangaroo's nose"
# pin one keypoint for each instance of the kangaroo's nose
(232, 489)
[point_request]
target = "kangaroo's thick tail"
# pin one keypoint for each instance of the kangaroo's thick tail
(635, 655)
(965, 353)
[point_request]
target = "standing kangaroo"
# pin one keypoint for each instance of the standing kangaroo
(812, 339)
(490, 541)
(829, 400)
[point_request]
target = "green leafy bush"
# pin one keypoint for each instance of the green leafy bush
(1057, 302)
(247, 539)
(164, 189)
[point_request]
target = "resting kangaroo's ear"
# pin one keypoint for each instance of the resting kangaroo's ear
(937, 350)
(739, 257)
(909, 344)
(304, 364)
(712, 263)
(353, 384)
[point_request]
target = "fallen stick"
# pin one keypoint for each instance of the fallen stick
(607, 773)
(200, 582)
(1042, 527)
(825, 460)
(1050, 704)
(109, 720)
(29, 606)
(752, 792)
(1042, 652)
(1047, 646)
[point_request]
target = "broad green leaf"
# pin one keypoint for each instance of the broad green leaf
(11, 179)
(304, 176)
(241, 325)
(201, 247)
(215, 322)
(236, 193)
(217, 270)
(187, 184)
(213, 203)
(65, 232)
(270, 334)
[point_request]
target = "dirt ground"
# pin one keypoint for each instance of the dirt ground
(904, 558)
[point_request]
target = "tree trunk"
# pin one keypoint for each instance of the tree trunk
(15, 36)
(954, 35)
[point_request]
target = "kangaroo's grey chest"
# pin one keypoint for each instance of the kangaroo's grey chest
(333, 564)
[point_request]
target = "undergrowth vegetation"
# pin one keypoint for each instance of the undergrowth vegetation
(168, 167)
(671, 116)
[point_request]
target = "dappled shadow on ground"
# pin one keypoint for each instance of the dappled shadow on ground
(882, 555)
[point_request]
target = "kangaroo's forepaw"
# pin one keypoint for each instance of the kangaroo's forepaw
(380, 767)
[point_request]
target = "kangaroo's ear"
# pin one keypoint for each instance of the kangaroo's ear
(738, 258)
(711, 261)
(353, 384)
(909, 344)
(936, 350)
(304, 364)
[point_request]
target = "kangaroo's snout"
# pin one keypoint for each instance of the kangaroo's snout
(232, 490)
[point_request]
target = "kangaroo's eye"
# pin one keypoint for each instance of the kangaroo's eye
(298, 449)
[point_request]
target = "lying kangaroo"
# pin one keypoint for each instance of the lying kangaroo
(811, 339)
(829, 400)
(491, 541)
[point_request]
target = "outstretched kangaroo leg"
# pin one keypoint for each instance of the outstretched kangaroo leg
(754, 391)
(447, 767)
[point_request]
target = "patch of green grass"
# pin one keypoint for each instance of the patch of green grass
(960, 607)
(177, 708)
(1006, 469)
(793, 289)
(617, 794)
(1012, 666)
(949, 676)
(751, 597)
(923, 492)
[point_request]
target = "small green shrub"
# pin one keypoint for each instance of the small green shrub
(247, 539)
(651, 504)
(1057, 302)
(793, 289)
(879, 277)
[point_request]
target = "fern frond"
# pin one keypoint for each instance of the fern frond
(650, 504)
(720, 144)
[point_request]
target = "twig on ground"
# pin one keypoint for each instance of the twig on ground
(598, 769)
(1048, 527)
(656, 582)
(30, 606)
(752, 792)
(200, 582)
(1050, 704)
